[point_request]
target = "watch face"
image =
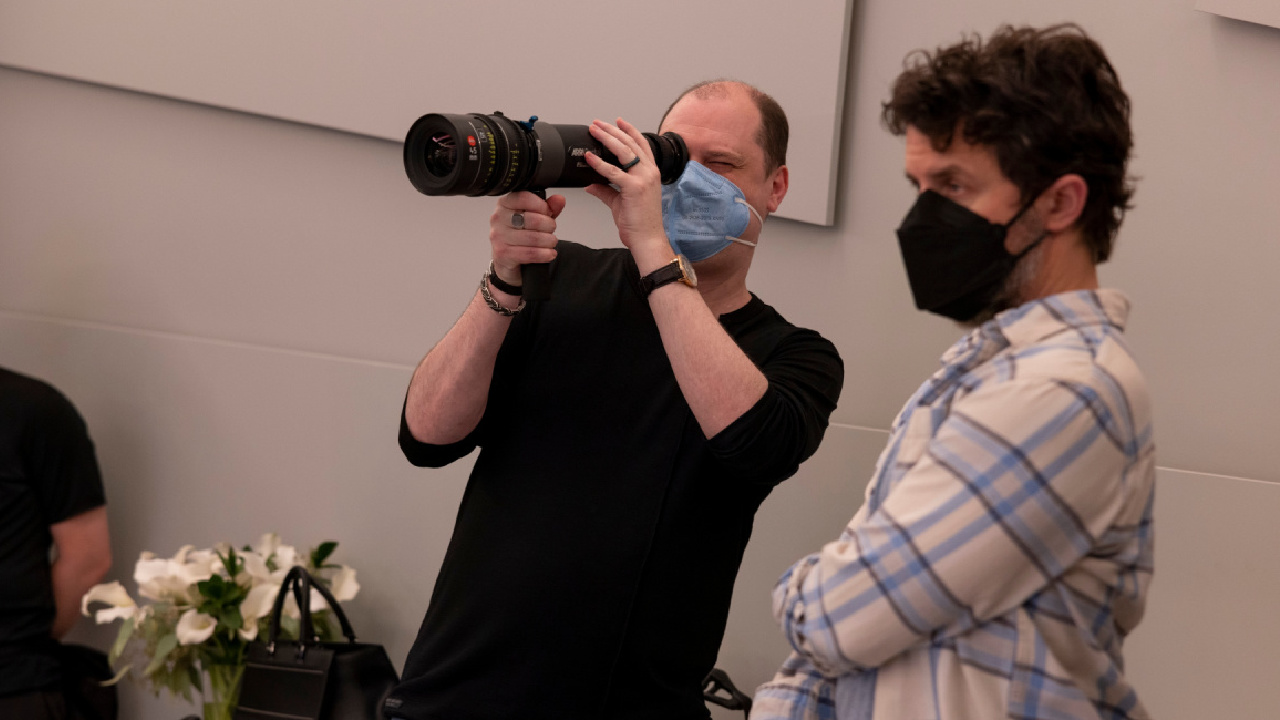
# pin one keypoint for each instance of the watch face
(686, 267)
(678, 269)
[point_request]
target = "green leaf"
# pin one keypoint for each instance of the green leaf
(232, 563)
(178, 683)
(122, 639)
(193, 677)
(236, 593)
(211, 588)
(322, 553)
(165, 646)
(183, 677)
(289, 627)
(231, 619)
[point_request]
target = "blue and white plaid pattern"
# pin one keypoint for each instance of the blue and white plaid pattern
(1005, 546)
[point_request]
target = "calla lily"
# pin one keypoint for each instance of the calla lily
(258, 603)
(256, 606)
(195, 627)
(344, 585)
(171, 583)
(257, 572)
(292, 610)
(180, 557)
(201, 565)
(255, 566)
(267, 544)
(272, 552)
(286, 557)
(175, 578)
(160, 579)
(114, 594)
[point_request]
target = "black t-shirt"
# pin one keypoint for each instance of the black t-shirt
(595, 548)
(48, 473)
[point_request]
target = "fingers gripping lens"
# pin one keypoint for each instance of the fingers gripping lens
(475, 154)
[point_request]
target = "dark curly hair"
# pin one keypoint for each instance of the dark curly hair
(1046, 101)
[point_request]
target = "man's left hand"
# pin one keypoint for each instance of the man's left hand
(635, 197)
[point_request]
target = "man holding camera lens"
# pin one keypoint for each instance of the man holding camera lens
(629, 428)
(1005, 547)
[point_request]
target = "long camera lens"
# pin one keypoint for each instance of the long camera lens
(477, 154)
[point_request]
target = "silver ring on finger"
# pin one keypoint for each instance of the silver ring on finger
(517, 220)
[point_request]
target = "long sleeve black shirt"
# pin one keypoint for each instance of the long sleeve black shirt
(595, 548)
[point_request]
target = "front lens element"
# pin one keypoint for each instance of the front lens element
(441, 155)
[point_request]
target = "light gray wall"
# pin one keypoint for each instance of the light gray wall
(236, 303)
(371, 68)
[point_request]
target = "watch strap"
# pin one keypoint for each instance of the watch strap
(669, 273)
(500, 284)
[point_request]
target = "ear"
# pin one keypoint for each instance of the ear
(1060, 206)
(778, 184)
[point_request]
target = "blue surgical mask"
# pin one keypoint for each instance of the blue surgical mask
(704, 213)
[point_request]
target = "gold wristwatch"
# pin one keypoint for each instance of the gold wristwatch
(678, 269)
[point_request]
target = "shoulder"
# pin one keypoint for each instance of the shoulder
(783, 351)
(1068, 377)
(1096, 358)
(33, 398)
(1074, 338)
(758, 325)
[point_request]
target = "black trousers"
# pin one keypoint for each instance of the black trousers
(38, 705)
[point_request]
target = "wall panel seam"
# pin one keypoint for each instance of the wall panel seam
(166, 335)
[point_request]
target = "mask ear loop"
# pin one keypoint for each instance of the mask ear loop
(739, 240)
(1009, 226)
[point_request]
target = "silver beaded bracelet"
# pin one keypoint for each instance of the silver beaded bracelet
(494, 304)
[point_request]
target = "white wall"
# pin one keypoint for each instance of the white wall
(373, 67)
(236, 303)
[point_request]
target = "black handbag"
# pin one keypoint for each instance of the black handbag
(308, 679)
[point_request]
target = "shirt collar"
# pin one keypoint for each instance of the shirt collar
(1038, 319)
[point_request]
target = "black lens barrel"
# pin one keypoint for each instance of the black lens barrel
(474, 154)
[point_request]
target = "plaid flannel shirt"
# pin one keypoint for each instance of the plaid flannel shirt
(1005, 546)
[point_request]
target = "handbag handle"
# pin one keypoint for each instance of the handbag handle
(306, 583)
(300, 582)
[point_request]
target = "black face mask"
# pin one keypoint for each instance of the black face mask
(955, 258)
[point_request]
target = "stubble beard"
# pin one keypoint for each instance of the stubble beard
(1012, 292)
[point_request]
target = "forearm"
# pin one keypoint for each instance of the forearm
(815, 605)
(71, 580)
(450, 387)
(933, 560)
(718, 380)
(82, 557)
(796, 691)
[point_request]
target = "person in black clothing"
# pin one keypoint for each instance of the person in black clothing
(51, 496)
(629, 428)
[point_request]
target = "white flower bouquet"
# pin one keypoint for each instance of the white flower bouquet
(206, 607)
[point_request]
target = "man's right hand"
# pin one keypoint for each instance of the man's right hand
(535, 242)
(450, 388)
